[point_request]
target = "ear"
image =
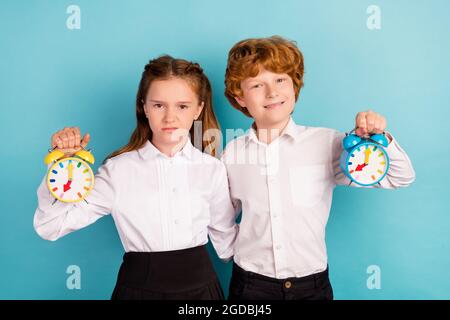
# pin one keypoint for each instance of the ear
(240, 101)
(199, 110)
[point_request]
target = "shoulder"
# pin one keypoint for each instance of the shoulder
(207, 160)
(121, 161)
(321, 135)
(208, 167)
(317, 131)
(234, 147)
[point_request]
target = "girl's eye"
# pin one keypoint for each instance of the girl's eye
(183, 106)
(257, 85)
(158, 105)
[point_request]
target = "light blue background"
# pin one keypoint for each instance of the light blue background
(51, 77)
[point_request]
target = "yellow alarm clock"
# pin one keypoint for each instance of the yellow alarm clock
(70, 179)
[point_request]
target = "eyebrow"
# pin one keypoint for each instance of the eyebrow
(157, 101)
(256, 79)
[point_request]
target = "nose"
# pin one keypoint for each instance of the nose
(271, 92)
(169, 115)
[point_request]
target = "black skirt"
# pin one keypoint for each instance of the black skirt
(186, 274)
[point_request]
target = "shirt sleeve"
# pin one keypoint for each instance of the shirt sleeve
(222, 229)
(228, 157)
(400, 174)
(53, 220)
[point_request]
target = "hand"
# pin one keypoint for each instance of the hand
(369, 122)
(69, 140)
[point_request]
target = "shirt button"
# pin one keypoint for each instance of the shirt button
(287, 284)
(278, 247)
(175, 221)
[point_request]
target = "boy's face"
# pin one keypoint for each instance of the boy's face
(269, 98)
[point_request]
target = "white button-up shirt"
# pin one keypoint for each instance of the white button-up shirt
(158, 203)
(284, 190)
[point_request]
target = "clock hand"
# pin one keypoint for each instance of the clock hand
(70, 169)
(67, 185)
(367, 152)
(359, 167)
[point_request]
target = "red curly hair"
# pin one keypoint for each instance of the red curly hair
(274, 54)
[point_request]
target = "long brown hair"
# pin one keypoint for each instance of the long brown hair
(162, 68)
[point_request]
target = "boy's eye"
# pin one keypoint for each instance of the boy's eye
(281, 80)
(257, 85)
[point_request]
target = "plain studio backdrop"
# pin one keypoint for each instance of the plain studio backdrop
(78, 63)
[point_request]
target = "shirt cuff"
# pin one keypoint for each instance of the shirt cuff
(393, 149)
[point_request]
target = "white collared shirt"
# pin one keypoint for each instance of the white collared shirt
(284, 190)
(158, 203)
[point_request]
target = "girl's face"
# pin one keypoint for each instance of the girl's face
(269, 98)
(171, 107)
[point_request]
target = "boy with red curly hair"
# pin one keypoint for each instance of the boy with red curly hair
(282, 175)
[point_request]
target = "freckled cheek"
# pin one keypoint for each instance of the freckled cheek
(290, 101)
(256, 100)
(291, 96)
(254, 104)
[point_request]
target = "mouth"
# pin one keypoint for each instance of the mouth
(169, 129)
(274, 105)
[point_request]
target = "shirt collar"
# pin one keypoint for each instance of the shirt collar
(291, 130)
(149, 151)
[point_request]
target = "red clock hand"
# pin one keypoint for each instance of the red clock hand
(359, 167)
(67, 185)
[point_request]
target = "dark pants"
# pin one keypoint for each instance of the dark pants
(246, 285)
(168, 275)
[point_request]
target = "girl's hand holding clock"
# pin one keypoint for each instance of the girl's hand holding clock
(68, 140)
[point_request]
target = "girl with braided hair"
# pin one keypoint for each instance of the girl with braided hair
(165, 190)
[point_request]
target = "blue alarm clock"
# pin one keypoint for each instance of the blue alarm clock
(365, 160)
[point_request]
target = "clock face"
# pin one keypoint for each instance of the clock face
(70, 180)
(367, 164)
